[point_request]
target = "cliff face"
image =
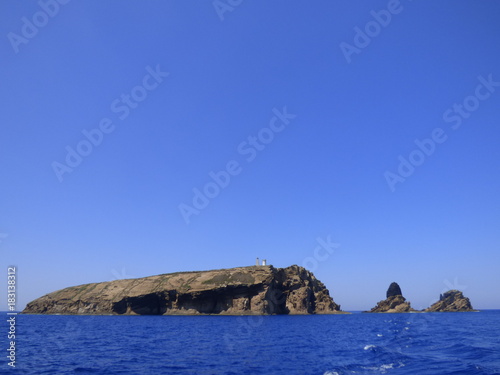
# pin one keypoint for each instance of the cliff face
(451, 301)
(394, 303)
(243, 290)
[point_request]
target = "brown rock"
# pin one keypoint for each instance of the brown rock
(243, 290)
(394, 303)
(451, 301)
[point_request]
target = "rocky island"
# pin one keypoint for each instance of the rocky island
(451, 301)
(254, 290)
(394, 302)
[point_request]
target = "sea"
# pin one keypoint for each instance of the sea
(407, 343)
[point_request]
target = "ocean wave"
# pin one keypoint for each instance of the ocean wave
(382, 369)
(366, 369)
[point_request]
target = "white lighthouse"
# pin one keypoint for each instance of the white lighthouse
(263, 262)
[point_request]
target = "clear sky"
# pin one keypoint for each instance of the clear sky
(372, 125)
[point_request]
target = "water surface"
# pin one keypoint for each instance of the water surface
(431, 343)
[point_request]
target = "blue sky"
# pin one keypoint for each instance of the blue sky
(181, 86)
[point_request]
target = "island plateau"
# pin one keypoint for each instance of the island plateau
(254, 290)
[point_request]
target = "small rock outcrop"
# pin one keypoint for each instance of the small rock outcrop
(394, 303)
(451, 301)
(394, 290)
(255, 290)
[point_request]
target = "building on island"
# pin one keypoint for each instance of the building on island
(264, 262)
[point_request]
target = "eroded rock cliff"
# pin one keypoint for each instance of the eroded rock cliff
(451, 301)
(394, 303)
(243, 290)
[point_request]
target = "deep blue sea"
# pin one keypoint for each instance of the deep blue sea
(432, 343)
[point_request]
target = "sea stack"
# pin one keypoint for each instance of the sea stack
(451, 301)
(394, 290)
(255, 290)
(394, 303)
